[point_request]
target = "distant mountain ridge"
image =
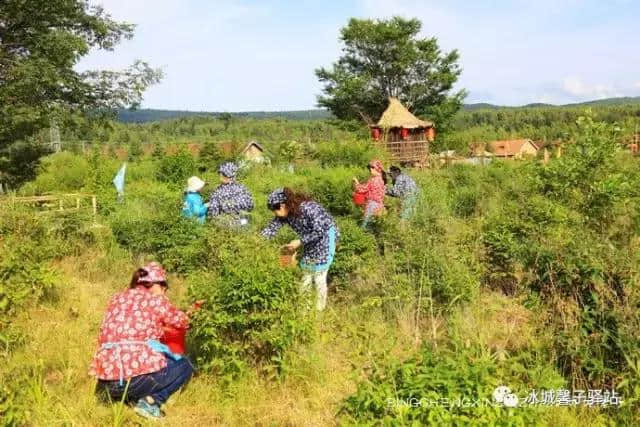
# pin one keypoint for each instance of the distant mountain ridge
(625, 100)
(151, 115)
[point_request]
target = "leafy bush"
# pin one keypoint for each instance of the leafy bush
(447, 387)
(209, 156)
(357, 249)
(464, 202)
(347, 153)
(176, 168)
(560, 240)
(253, 312)
(60, 172)
(332, 189)
(27, 244)
(178, 243)
(429, 264)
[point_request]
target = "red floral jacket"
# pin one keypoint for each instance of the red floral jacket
(374, 190)
(133, 317)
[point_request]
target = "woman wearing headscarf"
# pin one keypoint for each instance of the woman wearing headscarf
(317, 231)
(231, 201)
(404, 188)
(130, 361)
(373, 190)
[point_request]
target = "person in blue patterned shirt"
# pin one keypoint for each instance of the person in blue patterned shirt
(231, 201)
(405, 188)
(318, 234)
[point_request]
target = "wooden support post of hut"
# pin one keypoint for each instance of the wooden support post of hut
(405, 137)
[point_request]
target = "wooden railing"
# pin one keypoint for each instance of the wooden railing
(55, 203)
(407, 151)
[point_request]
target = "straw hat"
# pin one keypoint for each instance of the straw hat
(194, 184)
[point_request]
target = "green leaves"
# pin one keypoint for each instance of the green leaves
(386, 58)
(41, 41)
(253, 312)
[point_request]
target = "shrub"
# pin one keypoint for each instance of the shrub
(60, 172)
(446, 387)
(357, 249)
(429, 264)
(176, 168)
(464, 202)
(209, 156)
(332, 189)
(347, 153)
(178, 243)
(253, 312)
(547, 246)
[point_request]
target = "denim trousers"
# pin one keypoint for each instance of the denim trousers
(159, 385)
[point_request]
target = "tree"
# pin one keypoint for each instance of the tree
(135, 150)
(209, 156)
(158, 151)
(41, 41)
(384, 58)
(226, 119)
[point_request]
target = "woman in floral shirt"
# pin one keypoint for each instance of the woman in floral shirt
(405, 188)
(230, 200)
(130, 357)
(373, 190)
(318, 234)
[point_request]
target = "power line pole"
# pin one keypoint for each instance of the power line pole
(54, 137)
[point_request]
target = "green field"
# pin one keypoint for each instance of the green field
(515, 274)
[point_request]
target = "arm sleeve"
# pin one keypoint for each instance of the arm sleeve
(214, 205)
(170, 315)
(272, 228)
(393, 191)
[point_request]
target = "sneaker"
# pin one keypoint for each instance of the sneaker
(147, 410)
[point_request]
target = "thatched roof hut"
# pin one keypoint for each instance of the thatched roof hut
(404, 136)
(397, 116)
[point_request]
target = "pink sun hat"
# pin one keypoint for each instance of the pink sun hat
(155, 273)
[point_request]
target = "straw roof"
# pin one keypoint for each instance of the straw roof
(397, 116)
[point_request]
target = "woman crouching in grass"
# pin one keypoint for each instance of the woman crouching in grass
(318, 234)
(131, 364)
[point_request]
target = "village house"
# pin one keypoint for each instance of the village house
(402, 134)
(513, 148)
(253, 152)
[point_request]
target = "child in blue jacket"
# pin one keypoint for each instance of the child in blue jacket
(193, 205)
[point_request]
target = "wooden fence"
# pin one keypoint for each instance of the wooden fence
(56, 203)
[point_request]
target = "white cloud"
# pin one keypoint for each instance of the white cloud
(574, 86)
(239, 55)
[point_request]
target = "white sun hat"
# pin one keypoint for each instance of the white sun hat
(194, 184)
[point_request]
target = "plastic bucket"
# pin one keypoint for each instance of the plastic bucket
(359, 198)
(174, 338)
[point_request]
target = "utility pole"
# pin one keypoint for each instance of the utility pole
(54, 136)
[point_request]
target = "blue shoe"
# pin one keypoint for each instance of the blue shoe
(148, 410)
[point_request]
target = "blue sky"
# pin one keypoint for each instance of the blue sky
(240, 55)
